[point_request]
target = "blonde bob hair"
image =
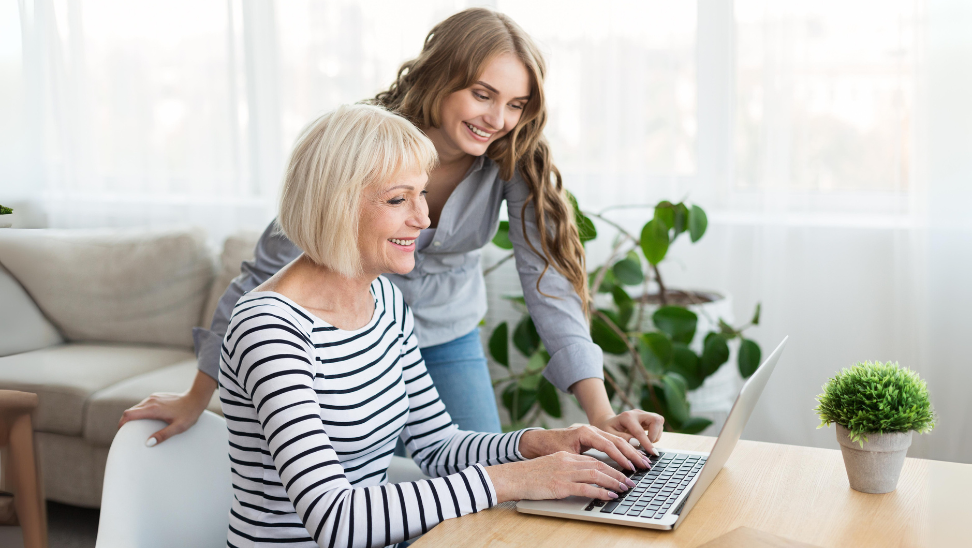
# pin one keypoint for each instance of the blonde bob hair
(337, 158)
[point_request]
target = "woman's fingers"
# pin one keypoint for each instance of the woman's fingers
(604, 478)
(166, 433)
(657, 424)
(138, 413)
(635, 425)
(587, 490)
(615, 447)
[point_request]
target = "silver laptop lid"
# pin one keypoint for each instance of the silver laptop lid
(732, 429)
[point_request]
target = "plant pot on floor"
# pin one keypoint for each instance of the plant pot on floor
(875, 468)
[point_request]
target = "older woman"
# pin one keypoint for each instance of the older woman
(320, 371)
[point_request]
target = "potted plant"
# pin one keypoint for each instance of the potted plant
(876, 408)
(660, 347)
(5, 211)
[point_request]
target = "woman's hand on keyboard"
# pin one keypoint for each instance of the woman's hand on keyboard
(578, 439)
(557, 476)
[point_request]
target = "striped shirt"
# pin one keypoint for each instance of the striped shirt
(314, 413)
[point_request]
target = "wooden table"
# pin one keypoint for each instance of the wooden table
(800, 493)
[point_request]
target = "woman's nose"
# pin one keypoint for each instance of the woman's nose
(494, 117)
(420, 215)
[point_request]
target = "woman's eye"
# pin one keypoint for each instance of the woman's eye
(425, 193)
(396, 201)
(480, 96)
(517, 107)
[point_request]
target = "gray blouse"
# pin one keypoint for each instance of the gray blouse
(446, 290)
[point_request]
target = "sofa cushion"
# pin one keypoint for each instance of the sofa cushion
(22, 325)
(237, 248)
(106, 406)
(131, 285)
(65, 376)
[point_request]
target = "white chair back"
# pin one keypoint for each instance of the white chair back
(177, 493)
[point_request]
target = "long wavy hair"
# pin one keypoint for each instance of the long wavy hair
(455, 53)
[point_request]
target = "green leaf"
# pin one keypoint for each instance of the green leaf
(525, 337)
(686, 363)
(665, 212)
(654, 241)
(585, 227)
(726, 329)
(675, 387)
(524, 400)
(697, 223)
(715, 352)
(607, 338)
(648, 405)
(655, 349)
(531, 381)
(694, 425)
(681, 219)
(549, 399)
(502, 237)
(749, 356)
(499, 346)
(625, 306)
(537, 362)
(607, 283)
(628, 271)
(677, 321)
(755, 320)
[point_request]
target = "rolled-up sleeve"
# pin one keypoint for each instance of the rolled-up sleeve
(273, 252)
(558, 315)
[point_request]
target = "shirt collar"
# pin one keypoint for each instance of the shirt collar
(477, 164)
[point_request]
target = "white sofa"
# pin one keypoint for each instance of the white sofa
(93, 321)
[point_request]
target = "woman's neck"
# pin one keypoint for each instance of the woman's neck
(345, 303)
(452, 167)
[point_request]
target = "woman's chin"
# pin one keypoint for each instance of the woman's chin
(474, 148)
(402, 268)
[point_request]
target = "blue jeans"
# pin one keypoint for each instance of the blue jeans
(460, 374)
(461, 377)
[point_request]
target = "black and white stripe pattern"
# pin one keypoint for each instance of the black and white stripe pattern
(314, 413)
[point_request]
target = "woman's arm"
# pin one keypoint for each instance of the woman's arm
(556, 308)
(576, 363)
(181, 411)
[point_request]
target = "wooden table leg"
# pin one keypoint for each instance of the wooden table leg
(23, 476)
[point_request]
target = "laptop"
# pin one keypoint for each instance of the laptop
(666, 493)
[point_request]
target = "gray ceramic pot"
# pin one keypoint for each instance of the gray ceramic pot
(876, 467)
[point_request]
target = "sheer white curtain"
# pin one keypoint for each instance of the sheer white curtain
(829, 142)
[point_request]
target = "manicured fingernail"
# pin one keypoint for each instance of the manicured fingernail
(622, 486)
(647, 462)
(631, 465)
(150, 442)
(654, 451)
(629, 482)
(612, 494)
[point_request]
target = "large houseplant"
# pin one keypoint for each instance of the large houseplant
(876, 408)
(648, 337)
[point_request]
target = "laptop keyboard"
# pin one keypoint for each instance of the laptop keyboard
(656, 489)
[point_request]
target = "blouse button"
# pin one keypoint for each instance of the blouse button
(436, 243)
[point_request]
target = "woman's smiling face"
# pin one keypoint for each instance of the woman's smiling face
(474, 117)
(392, 216)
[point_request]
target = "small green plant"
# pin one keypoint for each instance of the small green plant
(647, 334)
(876, 398)
(5, 210)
